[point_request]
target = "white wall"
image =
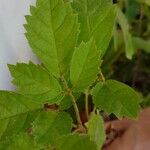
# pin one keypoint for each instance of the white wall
(13, 44)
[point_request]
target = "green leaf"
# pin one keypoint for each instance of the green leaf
(65, 103)
(16, 114)
(97, 18)
(115, 97)
(12, 126)
(21, 141)
(140, 43)
(96, 130)
(75, 142)
(12, 104)
(132, 9)
(84, 65)
(51, 125)
(123, 22)
(52, 31)
(34, 80)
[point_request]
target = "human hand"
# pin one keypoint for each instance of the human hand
(135, 135)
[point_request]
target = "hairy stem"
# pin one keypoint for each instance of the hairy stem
(69, 92)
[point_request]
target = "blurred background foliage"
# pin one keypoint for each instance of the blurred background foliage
(128, 56)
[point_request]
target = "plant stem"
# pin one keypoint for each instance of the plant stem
(69, 92)
(87, 104)
(76, 109)
(102, 76)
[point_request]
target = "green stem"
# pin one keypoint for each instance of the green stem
(76, 109)
(69, 92)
